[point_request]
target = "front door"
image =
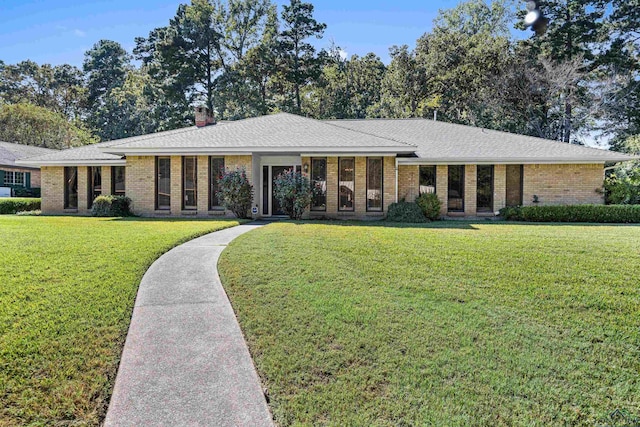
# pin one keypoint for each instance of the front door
(275, 171)
(270, 205)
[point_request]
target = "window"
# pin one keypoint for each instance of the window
(427, 179)
(71, 187)
(514, 185)
(216, 169)
(117, 180)
(189, 182)
(456, 188)
(163, 183)
(484, 193)
(319, 184)
(265, 190)
(374, 183)
(15, 178)
(346, 184)
(94, 181)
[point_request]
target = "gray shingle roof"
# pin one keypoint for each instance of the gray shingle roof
(10, 152)
(86, 153)
(446, 142)
(277, 131)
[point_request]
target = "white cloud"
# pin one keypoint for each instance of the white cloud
(343, 54)
(79, 33)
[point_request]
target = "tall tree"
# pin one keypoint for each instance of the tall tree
(299, 60)
(33, 125)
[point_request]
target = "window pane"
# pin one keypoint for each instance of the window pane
(265, 190)
(95, 184)
(456, 188)
(71, 187)
(117, 180)
(374, 184)
(346, 184)
(216, 169)
(514, 185)
(163, 183)
(9, 177)
(319, 183)
(485, 189)
(189, 182)
(427, 179)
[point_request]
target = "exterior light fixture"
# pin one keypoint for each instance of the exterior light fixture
(306, 167)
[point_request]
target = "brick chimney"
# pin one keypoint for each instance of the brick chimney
(204, 117)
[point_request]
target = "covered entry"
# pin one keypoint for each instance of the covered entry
(270, 168)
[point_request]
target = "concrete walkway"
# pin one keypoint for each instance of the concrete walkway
(185, 361)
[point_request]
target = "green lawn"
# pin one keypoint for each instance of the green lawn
(453, 323)
(67, 288)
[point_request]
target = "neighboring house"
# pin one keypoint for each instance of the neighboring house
(359, 166)
(21, 179)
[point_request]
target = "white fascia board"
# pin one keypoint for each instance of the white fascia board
(424, 161)
(177, 151)
(39, 163)
(349, 154)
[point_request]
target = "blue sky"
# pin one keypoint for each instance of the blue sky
(59, 31)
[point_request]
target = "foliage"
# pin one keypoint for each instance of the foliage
(439, 324)
(111, 206)
(68, 287)
(32, 125)
(26, 192)
(574, 213)
(405, 212)
(14, 205)
(236, 192)
(300, 65)
(623, 187)
(293, 191)
(429, 205)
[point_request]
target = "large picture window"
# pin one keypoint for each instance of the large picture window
(319, 184)
(216, 169)
(455, 202)
(374, 183)
(346, 184)
(163, 183)
(427, 179)
(94, 182)
(484, 190)
(189, 182)
(71, 187)
(117, 180)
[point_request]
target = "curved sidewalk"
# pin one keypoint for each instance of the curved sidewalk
(185, 361)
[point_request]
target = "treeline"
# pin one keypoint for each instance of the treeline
(244, 58)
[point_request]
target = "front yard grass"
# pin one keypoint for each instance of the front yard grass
(67, 288)
(451, 323)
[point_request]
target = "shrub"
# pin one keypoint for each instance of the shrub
(104, 206)
(17, 204)
(574, 213)
(236, 192)
(430, 205)
(623, 188)
(405, 212)
(293, 191)
(26, 192)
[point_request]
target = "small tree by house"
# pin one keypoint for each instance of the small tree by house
(235, 192)
(293, 191)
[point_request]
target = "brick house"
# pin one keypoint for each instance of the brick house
(20, 177)
(359, 166)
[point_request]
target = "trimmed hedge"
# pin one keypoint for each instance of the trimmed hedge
(405, 212)
(106, 206)
(574, 213)
(14, 205)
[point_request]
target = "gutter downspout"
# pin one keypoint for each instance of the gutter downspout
(396, 159)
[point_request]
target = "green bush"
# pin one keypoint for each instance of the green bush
(574, 213)
(236, 192)
(430, 205)
(293, 191)
(14, 205)
(623, 189)
(26, 192)
(405, 212)
(105, 206)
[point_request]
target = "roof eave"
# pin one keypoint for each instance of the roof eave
(74, 162)
(504, 161)
(157, 151)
